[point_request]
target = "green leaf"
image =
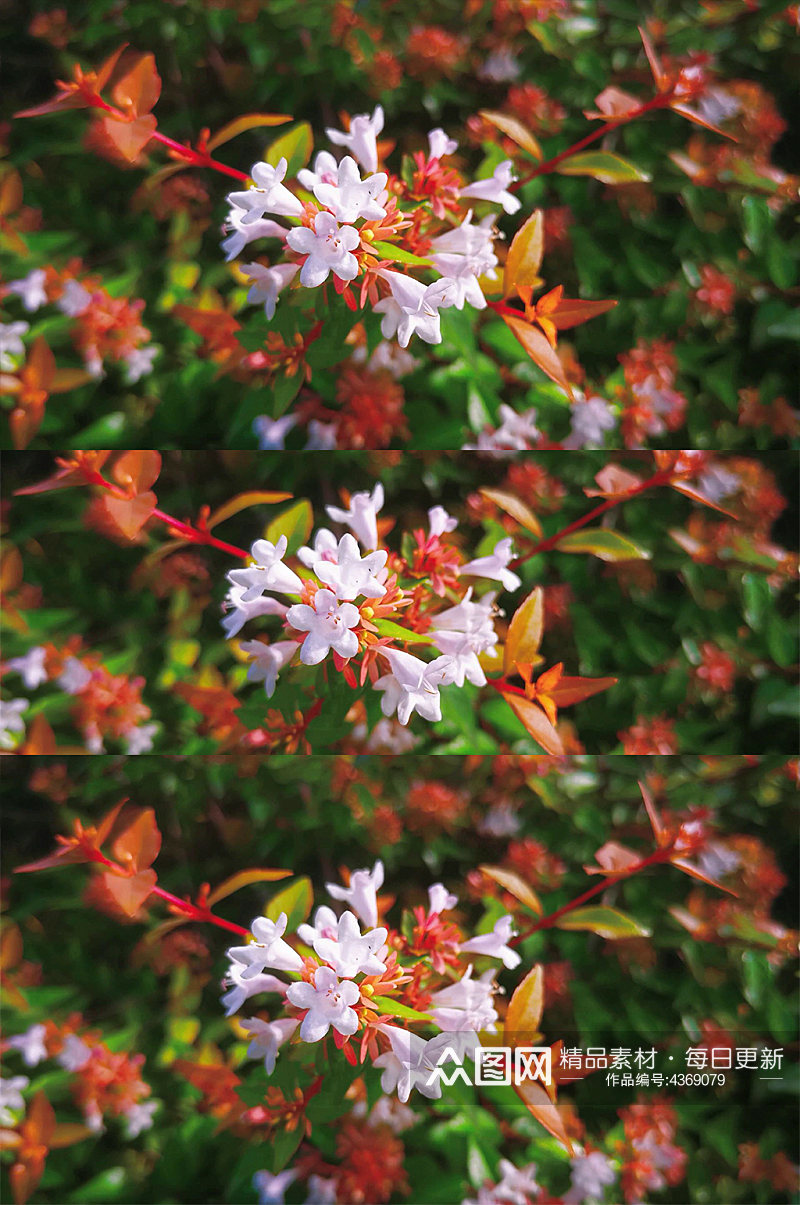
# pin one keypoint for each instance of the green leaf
(295, 146)
(387, 628)
(399, 254)
(604, 543)
(295, 523)
(602, 165)
(296, 901)
(385, 1004)
(606, 922)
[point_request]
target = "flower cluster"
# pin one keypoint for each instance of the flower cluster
(365, 228)
(364, 982)
(350, 600)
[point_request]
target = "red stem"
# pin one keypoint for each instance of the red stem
(547, 922)
(660, 478)
(657, 102)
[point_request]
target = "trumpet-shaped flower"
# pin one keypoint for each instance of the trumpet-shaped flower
(361, 515)
(268, 572)
(407, 1065)
(30, 289)
(266, 284)
(30, 1044)
(31, 667)
(348, 196)
(465, 1006)
(239, 612)
(351, 574)
(268, 950)
(440, 899)
(240, 234)
(329, 624)
(494, 566)
(413, 685)
(413, 308)
(267, 1038)
(324, 548)
(328, 247)
(440, 145)
(268, 194)
(495, 944)
(267, 661)
(271, 432)
(495, 189)
(362, 138)
(349, 952)
(239, 989)
(362, 894)
(11, 344)
(329, 1004)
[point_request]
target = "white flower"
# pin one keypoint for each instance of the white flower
(271, 1188)
(271, 432)
(361, 895)
(326, 924)
(361, 515)
(30, 289)
(139, 1117)
(362, 138)
(11, 1098)
(268, 949)
(590, 421)
(74, 1053)
(348, 196)
(329, 248)
(413, 308)
(517, 1185)
(407, 1065)
(495, 944)
(590, 1175)
(348, 951)
(268, 572)
(440, 899)
(30, 1044)
(439, 521)
(267, 661)
(390, 357)
(462, 255)
(30, 667)
(328, 1002)
(74, 300)
(268, 194)
(462, 633)
(517, 432)
(239, 612)
(494, 566)
(324, 548)
(716, 482)
(11, 344)
(140, 740)
(500, 821)
(495, 189)
(329, 624)
(240, 989)
(321, 436)
(266, 284)
(12, 724)
(240, 235)
(392, 1113)
(413, 685)
(501, 67)
(440, 145)
(322, 1190)
(139, 362)
(267, 1038)
(390, 737)
(466, 1005)
(326, 171)
(74, 677)
(351, 575)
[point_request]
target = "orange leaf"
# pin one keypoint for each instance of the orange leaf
(129, 137)
(544, 1110)
(40, 367)
(525, 1009)
(515, 885)
(68, 1133)
(571, 312)
(536, 723)
(525, 631)
(139, 88)
(514, 507)
(613, 858)
(690, 492)
(61, 857)
(130, 892)
(10, 946)
(139, 842)
(540, 351)
(614, 482)
(106, 68)
(243, 501)
(660, 77)
(10, 192)
(612, 102)
(514, 130)
(69, 378)
(575, 690)
(691, 115)
(525, 255)
(108, 822)
(63, 100)
(243, 879)
(137, 470)
(695, 873)
(249, 121)
(129, 515)
(39, 738)
(659, 831)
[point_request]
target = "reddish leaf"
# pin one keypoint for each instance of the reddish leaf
(525, 255)
(575, 690)
(243, 879)
(39, 738)
(128, 515)
(540, 351)
(661, 79)
(67, 1133)
(249, 121)
(525, 1009)
(61, 857)
(139, 842)
(515, 507)
(613, 858)
(63, 100)
(691, 115)
(129, 137)
(514, 130)
(525, 631)
(659, 831)
(139, 88)
(106, 68)
(137, 470)
(544, 1110)
(10, 192)
(693, 493)
(571, 312)
(130, 892)
(612, 102)
(695, 873)
(614, 482)
(516, 886)
(65, 379)
(242, 502)
(536, 723)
